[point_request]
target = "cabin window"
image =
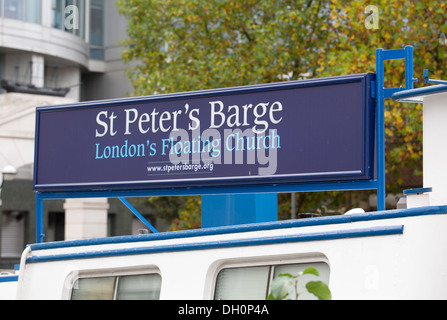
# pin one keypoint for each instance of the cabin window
(126, 287)
(253, 282)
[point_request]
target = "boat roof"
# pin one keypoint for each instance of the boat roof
(419, 94)
(308, 222)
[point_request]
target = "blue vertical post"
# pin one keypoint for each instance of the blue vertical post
(39, 219)
(409, 79)
(234, 209)
(380, 114)
(382, 94)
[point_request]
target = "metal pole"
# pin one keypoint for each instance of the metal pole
(380, 113)
(138, 215)
(409, 68)
(39, 219)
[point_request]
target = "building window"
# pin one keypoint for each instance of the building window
(56, 14)
(125, 287)
(253, 282)
(33, 11)
(12, 234)
(26, 10)
(12, 9)
(97, 29)
(69, 15)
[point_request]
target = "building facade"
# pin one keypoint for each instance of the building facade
(54, 52)
(64, 44)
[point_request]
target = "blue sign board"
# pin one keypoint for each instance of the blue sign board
(298, 131)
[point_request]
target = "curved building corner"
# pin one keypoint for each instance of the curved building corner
(51, 52)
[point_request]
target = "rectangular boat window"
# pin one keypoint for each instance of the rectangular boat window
(126, 287)
(253, 283)
(249, 283)
(139, 287)
(94, 289)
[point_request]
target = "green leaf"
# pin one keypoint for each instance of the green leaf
(271, 297)
(311, 270)
(280, 287)
(319, 289)
(285, 274)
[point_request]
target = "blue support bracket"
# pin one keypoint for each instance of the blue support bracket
(427, 80)
(39, 209)
(386, 93)
(138, 215)
(39, 218)
(235, 209)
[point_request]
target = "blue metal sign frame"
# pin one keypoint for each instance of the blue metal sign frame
(378, 184)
